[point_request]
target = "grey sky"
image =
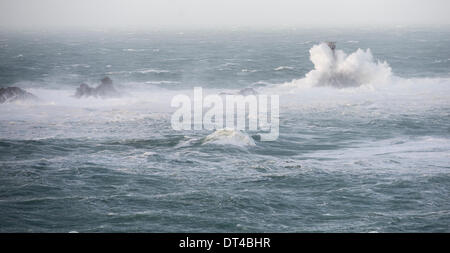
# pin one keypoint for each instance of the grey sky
(220, 13)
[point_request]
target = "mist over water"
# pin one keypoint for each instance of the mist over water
(363, 146)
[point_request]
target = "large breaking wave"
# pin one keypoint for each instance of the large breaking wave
(337, 69)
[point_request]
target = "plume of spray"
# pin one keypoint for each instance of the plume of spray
(337, 69)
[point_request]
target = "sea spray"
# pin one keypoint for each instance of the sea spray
(337, 69)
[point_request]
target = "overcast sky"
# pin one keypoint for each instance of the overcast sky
(220, 13)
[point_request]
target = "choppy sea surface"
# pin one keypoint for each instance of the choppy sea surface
(371, 157)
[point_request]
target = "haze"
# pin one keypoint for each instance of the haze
(219, 13)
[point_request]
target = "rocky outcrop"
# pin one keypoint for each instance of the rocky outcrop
(104, 90)
(248, 91)
(12, 94)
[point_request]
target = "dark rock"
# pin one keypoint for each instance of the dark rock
(104, 90)
(12, 94)
(248, 91)
(106, 80)
(84, 90)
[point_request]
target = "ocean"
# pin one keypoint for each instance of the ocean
(371, 156)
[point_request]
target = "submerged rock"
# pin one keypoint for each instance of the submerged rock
(248, 91)
(244, 92)
(105, 89)
(12, 94)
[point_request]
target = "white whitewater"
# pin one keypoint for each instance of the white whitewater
(229, 137)
(337, 69)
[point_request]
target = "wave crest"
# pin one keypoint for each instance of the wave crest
(229, 137)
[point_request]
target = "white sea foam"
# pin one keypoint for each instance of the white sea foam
(283, 68)
(141, 71)
(162, 82)
(133, 50)
(152, 71)
(249, 70)
(83, 65)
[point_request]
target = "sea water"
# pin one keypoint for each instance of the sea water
(363, 142)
